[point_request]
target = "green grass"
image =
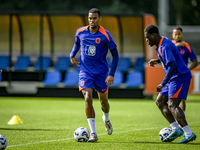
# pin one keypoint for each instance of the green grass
(49, 123)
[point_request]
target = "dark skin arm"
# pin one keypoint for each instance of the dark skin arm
(153, 62)
(194, 64)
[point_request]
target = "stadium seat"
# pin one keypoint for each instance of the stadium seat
(71, 78)
(46, 62)
(63, 63)
(23, 62)
(52, 78)
(139, 64)
(134, 79)
(4, 62)
(124, 64)
(118, 79)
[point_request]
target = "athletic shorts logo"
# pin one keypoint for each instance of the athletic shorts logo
(90, 50)
(82, 83)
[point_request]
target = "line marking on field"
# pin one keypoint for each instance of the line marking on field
(48, 141)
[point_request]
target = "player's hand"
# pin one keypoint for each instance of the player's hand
(109, 80)
(159, 88)
(153, 62)
(74, 61)
(1, 71)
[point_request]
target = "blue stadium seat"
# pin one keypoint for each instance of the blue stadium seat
(139, 64)
(4, 62)
(52, 78)
(63, 63)
(71, 78)
(119, 77)
(124, 64)
(46, 62)
(134, 79)
(23, 62)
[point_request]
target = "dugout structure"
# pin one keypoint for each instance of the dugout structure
(52, 34)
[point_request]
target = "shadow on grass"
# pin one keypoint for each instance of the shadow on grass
(21, 129)
(146, 142)
(149, 142)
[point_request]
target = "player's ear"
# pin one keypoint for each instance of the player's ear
(153, 35)
(100, 18)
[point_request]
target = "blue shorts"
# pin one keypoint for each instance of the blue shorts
(177, 88)
(94, 81)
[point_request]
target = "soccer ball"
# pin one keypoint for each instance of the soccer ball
(164, 133)
(3, 142)
(81, 134)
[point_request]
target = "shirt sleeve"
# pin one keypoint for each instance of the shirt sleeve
(192, 55)
(171, 69)
(115, 60)
(111, 44)
(75, 48)
(168, 56)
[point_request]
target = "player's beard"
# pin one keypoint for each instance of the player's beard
(93, 27)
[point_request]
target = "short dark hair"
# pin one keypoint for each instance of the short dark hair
(151, 29)
(178, 28)
(95, 10)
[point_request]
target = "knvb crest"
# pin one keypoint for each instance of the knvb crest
(90, 50)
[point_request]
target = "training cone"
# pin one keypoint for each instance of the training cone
(15, 120)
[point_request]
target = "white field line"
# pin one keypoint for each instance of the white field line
(48, 141)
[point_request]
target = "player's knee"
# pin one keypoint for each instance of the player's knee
(159, 104)
(104, 102)
(88, 100)
(171, 106)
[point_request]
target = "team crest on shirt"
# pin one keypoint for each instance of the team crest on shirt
(90, 50)
(182, 51)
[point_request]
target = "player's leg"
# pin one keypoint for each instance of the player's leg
(177, 112)
(161, 102)
(105, 107)
(86, 85)
(182, 105)
(102, 91)
(179, 89)
(90, 113)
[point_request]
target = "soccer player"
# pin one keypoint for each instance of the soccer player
(94, 42)
(186, 52)
(174, 86)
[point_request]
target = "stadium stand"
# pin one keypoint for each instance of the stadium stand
(134, 79)
(4, 62)
(23, 62)
(62, 63)
(52, 78)
(118, 79)
(46, 62)
(71, 78)
(124, 64)
(139, 64)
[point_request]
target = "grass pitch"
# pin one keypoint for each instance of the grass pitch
(49, 123)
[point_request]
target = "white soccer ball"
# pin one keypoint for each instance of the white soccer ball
(3, 142)
(164, 133)
(81, 134)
